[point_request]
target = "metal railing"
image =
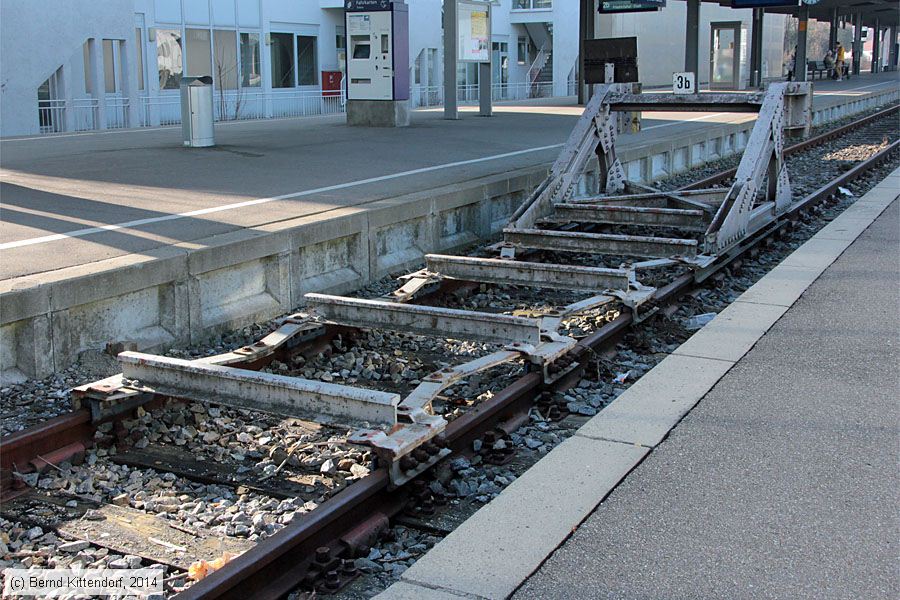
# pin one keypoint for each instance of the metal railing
(242, 105)
(52, 116)
(538, 65)
(81, 114)
(117, 112)
(427, 96)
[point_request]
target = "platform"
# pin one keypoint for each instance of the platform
(126, 235)
(759, 460)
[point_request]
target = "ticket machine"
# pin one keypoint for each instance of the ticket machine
(377, 62)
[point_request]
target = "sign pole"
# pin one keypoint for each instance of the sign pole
(484, 89)
(451, 42)
(485, 75)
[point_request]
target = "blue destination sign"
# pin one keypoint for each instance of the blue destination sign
(364, 5)
(621, 6)
(762, 3)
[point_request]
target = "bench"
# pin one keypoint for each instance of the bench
(813, 67)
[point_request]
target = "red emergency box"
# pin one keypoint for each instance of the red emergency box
(331, 83)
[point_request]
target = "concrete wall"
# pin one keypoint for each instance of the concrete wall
(37, 37)
(180, 295)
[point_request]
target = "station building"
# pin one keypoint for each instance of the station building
(69, 65)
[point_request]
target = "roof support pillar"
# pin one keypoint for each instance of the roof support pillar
(876, 47)
(892, 48)
(756, 38)
(857, 41)
(800, 58)
(692, 40)
(586, 31)
(833, 29)
(451, 42)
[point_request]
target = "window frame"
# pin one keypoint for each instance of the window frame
(180, 29)
(295, 59)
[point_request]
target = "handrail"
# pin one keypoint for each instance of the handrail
(535, 70)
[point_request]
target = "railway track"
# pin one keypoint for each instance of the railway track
(354, 498)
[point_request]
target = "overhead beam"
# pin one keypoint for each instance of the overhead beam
(706, 102)
(493, 270)
(426, 320)
(255, 390)
(600, 243)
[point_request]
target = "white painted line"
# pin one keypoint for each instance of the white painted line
(856, 89)
(215, 209)
(685, 121)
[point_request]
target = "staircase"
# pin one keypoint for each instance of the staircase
(540, 74)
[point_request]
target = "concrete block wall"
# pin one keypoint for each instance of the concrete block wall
(182, 294)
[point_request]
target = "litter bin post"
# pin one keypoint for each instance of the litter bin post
(197, 111)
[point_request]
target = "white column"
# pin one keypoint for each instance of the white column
(64, 92)
(98, 82)
(129, 86)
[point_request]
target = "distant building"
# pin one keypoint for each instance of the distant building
(70, 65)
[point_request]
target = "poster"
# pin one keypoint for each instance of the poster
(474, 30)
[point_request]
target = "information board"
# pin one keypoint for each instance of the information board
(621, 52)
(474, 31)
(624, 6)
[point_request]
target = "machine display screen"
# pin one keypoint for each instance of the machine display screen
(622, 6)
(762, 3)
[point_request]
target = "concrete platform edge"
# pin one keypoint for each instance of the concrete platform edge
(462, 562)
(185, 293)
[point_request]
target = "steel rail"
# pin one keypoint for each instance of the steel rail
(799, 146)
(278, 564)
(286, 549)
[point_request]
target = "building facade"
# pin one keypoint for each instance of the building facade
(70, 65)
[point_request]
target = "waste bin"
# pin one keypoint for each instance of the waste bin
(197, 111)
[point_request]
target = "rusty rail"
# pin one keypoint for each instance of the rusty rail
(799, 146)
(279, 564)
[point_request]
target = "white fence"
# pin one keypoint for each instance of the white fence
(468, 94)
(242, 105)
(82, 114)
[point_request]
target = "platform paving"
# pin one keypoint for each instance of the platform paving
(157, 194)
(765, 471)
(783, 481)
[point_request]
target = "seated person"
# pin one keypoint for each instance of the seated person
(828, 61)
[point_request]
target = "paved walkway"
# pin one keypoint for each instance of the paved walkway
(783, 481)
(156, 193)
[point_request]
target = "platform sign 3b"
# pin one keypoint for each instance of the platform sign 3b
(684, 83)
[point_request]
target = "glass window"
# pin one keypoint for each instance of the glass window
(225, 59)
(139, 56)
(168, 58)
(282, 50)
(250, 76)
(307, 73)
(522, 50)
(109, 67)
(86, 55)
(197, 52)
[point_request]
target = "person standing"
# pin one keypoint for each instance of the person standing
(841, 58)
(792, 65)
